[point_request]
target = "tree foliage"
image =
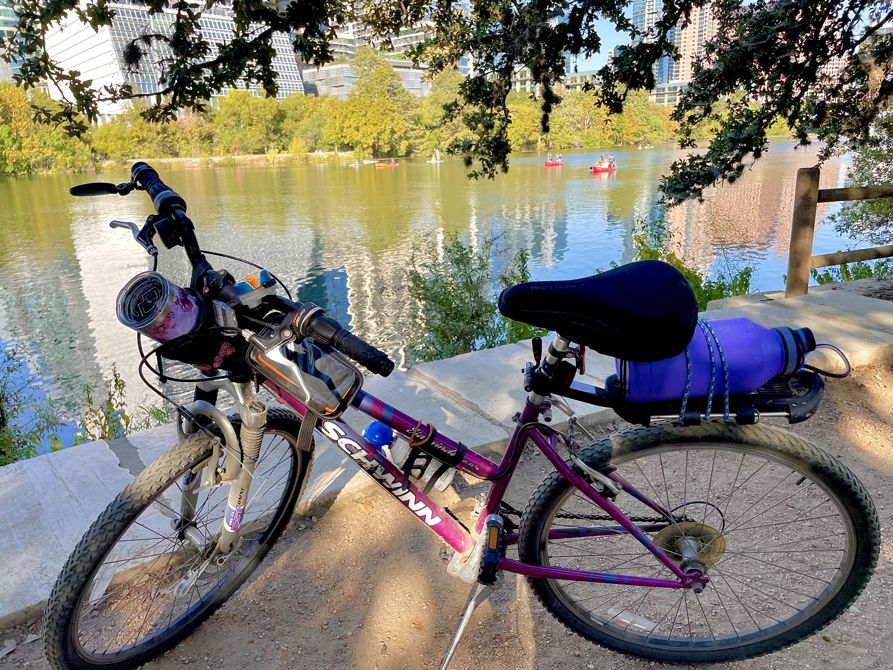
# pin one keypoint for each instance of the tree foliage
(26, 146)
(772, 54)
(870, 220)
(368, 123)
(454, 291)
(246, 122)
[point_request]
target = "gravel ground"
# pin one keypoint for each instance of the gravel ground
(365, 586)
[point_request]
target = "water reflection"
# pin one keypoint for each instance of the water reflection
(345, 237)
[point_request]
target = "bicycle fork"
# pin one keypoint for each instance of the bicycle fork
(254, 419)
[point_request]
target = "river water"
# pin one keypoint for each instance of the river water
(344, 237)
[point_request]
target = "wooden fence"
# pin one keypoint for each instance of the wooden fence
(807, 195)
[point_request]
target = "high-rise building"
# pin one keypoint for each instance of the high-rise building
(834, 66)
(352, 36)
(671, 75)
(99, 55)
(7, 31)
(645, 14)
(337, 79)
(690, 42)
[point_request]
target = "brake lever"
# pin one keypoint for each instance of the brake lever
(144, 236)
(126, 224)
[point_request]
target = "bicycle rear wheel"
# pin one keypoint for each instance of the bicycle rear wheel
(138, 582)
(787, 535)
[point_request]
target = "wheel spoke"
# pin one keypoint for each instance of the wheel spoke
(773, 535)
(152, 577)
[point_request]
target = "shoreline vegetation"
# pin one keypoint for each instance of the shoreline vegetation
(379, 119)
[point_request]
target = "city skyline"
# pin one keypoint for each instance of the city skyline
(99, 54)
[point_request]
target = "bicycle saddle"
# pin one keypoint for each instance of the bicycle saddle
(643, 311)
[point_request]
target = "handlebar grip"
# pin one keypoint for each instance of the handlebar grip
(363, 353)
(166, 200)
(318, 326)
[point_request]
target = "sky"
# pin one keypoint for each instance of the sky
(610, 39)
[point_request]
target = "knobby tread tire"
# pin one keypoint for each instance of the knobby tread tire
(116, 519)
(821, 464)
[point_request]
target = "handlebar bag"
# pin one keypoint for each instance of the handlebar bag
(315, 375)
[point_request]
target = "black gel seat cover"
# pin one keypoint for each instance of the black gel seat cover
(643, 311)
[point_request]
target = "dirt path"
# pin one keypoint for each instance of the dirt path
(366, 587)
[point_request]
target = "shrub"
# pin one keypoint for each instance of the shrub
(27, 422)
(650, 243)
(853, 271)
(454, 296)
(106, 416)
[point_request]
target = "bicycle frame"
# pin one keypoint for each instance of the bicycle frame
(375, 464)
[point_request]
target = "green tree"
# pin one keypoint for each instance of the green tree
(870, 220)
(193, 135)
(432, 132)
(115, 140)
(129, 135)
(525, 129)
(641, 122)
(294, 112)
(376, 80)
(579, 121)
(247, 122)
(26, 146)
(372, 127)
(375, 121)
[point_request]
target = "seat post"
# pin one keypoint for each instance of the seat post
(558, 347)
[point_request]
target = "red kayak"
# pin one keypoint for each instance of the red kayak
(553, 163)
(595, 169)
(386, 165)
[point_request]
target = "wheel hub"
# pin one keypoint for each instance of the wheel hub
(680, 540)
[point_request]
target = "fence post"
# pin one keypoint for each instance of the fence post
(806, 193)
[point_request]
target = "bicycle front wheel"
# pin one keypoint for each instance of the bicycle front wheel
(141, 579)
(787, 535)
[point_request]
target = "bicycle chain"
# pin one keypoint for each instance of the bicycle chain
(509, 510)
(605, 517)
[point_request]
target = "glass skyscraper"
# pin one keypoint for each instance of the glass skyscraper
(99, 55)
(7, 30)
(671, 76)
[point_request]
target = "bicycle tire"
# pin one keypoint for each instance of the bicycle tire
(761, 439)
(60, 618)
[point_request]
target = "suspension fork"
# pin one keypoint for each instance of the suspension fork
(253, 413)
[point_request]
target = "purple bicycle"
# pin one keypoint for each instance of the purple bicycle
(687, 538)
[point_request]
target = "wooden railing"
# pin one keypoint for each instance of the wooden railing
(807, 195)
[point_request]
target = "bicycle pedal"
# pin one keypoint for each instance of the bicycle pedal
(493, 549)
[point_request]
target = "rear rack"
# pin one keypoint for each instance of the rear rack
(794, 397)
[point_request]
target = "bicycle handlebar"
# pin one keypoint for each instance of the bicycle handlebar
(312, 322)
(167, 201)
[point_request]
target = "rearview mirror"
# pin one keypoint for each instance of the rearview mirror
(101, 188)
